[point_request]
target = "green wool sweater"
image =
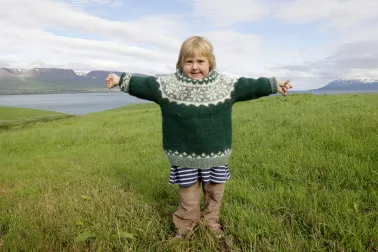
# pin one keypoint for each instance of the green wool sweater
(196, 114)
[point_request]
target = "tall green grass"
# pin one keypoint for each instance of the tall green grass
(304, 177)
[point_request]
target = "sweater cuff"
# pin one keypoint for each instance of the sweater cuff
(124, 82)
(273, 84)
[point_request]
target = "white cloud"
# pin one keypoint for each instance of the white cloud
(352, 24)
(235, 52)
(337, 12)
(63, 50)
(350, 60)
(127, 43)
(226, 12)
(4, 64)
(35, 15)
(351, 19)
(80, 3)
(150, 44)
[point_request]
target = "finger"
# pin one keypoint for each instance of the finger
(284, 83)
(288, 86)
(282, 92)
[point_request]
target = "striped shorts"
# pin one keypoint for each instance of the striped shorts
(188, 176)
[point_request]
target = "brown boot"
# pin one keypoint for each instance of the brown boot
(188, 213)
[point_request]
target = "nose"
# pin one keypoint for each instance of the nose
(194, 66)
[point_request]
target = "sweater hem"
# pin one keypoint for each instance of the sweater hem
(198, 162)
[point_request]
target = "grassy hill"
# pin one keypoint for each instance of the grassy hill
(304, 177)
(21, 117)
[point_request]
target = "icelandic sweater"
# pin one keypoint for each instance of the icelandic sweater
(196, 114)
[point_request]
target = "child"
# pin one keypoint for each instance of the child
(196, 104)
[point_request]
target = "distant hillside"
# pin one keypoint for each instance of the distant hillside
(51, 80)
(351, 85)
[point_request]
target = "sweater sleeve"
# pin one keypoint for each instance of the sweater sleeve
(143, 87)
(248, 89)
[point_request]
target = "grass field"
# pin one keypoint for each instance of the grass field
(21, 117)
(304, 177)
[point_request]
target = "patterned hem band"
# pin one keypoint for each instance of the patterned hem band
(198, 156)
(200, 161)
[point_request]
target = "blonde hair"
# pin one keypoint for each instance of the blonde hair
(196, 43)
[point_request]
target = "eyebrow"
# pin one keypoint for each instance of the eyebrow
(191, 58)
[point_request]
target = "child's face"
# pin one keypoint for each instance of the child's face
(196, 67)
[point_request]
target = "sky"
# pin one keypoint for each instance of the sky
(310, 42)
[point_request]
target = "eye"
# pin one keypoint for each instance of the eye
(188, 61)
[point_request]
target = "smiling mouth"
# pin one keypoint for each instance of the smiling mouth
(196, 74)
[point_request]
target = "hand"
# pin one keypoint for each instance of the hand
(112, 80)
(283, 87)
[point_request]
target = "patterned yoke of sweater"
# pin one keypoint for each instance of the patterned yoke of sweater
(196, 119)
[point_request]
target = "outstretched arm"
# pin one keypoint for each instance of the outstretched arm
(249, 88)
(143, 87)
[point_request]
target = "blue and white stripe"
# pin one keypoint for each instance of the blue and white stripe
(188, 176)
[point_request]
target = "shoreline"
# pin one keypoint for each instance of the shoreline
(60, 92)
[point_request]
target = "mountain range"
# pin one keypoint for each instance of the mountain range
(52, 80)
(351, 85)
(56, 80)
